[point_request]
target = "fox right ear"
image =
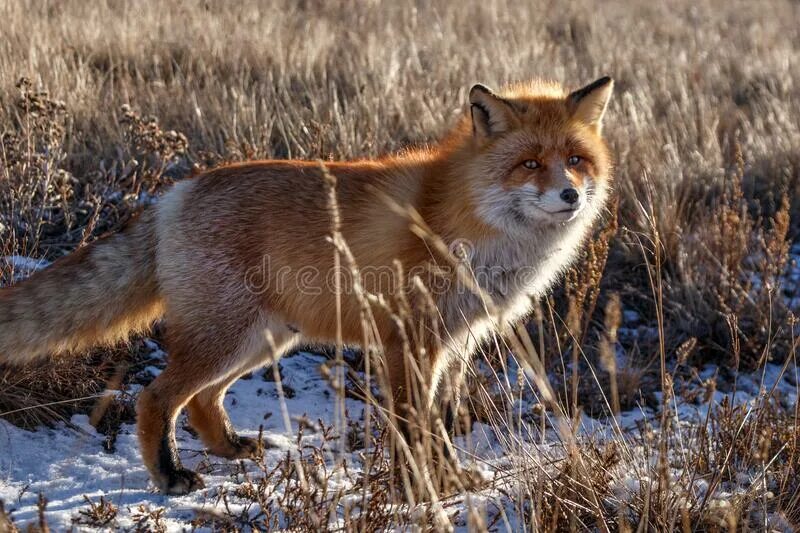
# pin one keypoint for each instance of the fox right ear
(589, 103)
(491, 115)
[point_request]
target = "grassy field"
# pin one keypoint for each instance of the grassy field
(686, 292)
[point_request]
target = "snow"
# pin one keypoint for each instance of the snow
(65, 463)
(24, 266)
(68, 462)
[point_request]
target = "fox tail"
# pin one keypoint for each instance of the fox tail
(98, 295)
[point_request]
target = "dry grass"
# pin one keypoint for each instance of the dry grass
(707, 137)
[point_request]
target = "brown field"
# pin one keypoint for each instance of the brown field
(104, 104)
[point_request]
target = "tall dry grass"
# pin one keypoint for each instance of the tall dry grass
(121, 98)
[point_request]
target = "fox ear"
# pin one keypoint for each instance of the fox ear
(589, 103)
(491, 115)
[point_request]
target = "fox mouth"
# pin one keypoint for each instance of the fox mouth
(562, 212)
(561, 216)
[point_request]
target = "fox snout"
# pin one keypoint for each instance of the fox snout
(562, 202)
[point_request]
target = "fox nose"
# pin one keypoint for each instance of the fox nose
(569, 195)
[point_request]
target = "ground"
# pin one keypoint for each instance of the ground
(72, 464)
(658, 390)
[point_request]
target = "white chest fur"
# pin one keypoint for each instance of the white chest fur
(511, 269)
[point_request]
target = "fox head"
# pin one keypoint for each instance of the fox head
(537, 156)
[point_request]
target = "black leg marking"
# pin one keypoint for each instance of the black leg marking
(176, 479)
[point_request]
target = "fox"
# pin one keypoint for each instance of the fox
(522, 177)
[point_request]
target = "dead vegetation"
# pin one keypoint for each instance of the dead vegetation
(103, 105)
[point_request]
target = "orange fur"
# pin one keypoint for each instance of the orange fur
(227, 257)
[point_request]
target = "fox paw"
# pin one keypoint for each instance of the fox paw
(247, 447)
(240, 448)
(182, 481)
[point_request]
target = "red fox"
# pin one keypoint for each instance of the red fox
(521, 177)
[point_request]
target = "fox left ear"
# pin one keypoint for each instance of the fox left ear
(491, 114)
(589, 103)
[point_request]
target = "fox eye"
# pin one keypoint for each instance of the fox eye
(573, 160)
(531, 164)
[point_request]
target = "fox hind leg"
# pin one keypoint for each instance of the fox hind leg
(157, 411)
(207, 413)
(197, 362)
(208, 417)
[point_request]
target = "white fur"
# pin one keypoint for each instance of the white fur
(522, 263)
(188, 271)
(266, 341)
(516, 210)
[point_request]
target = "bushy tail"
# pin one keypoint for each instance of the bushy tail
(97, 295)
